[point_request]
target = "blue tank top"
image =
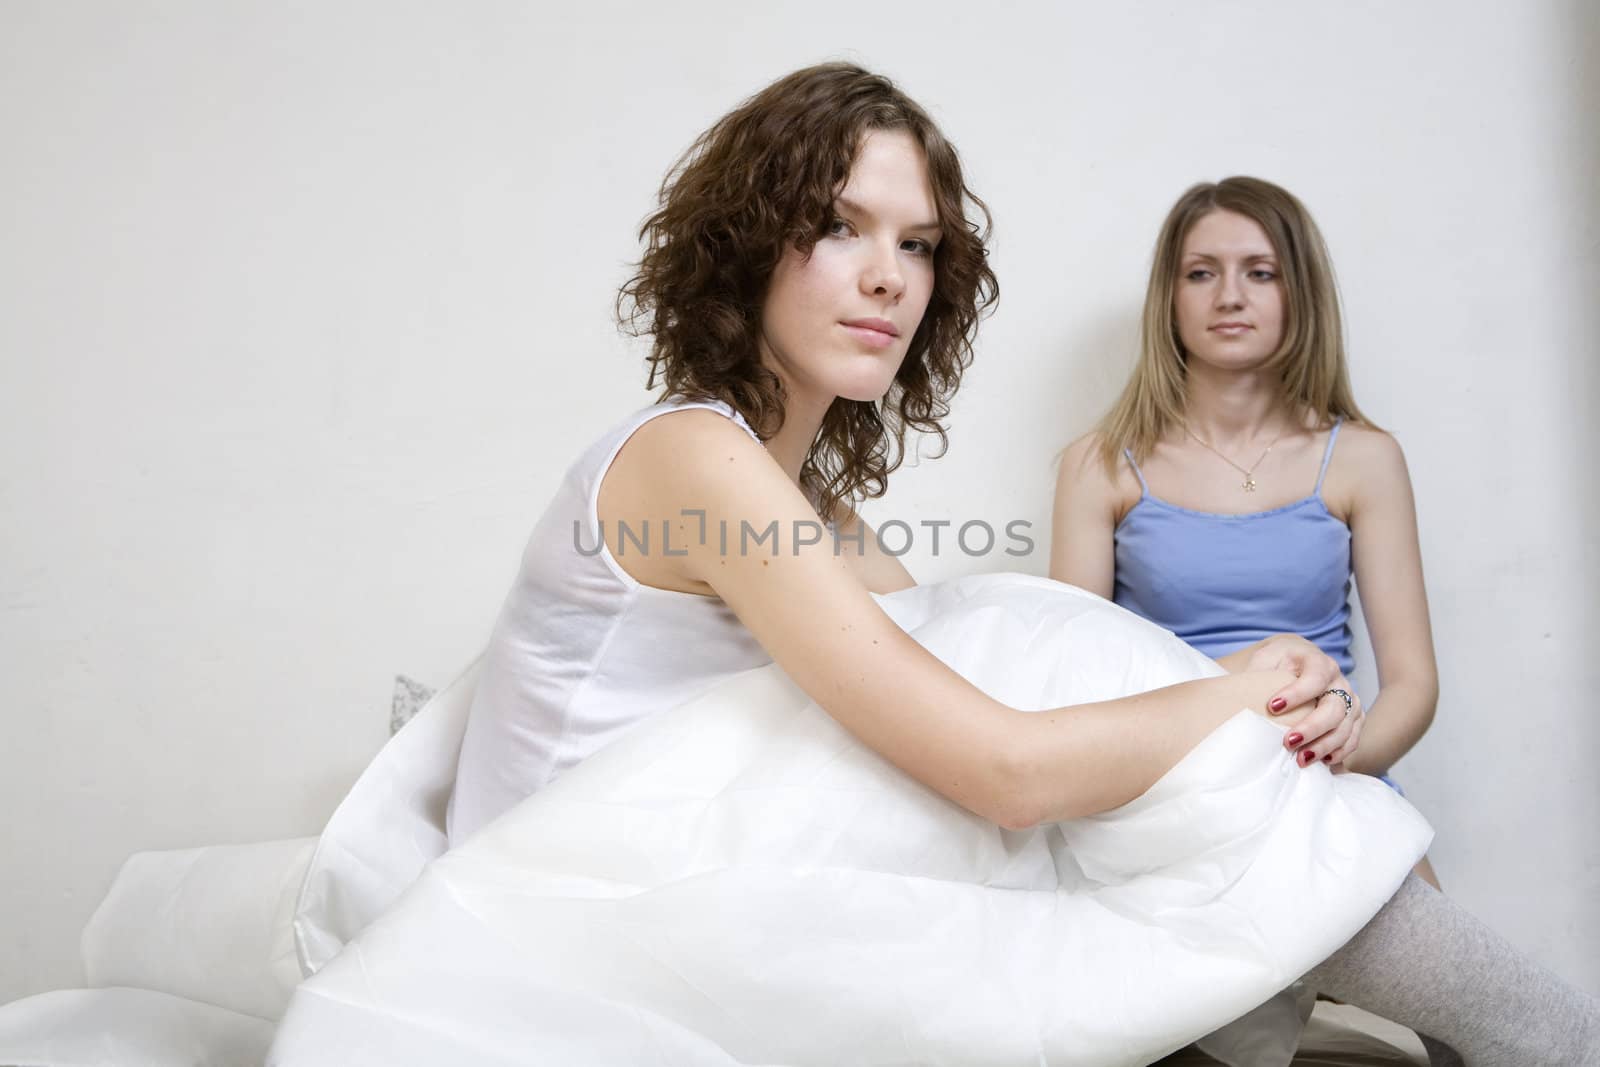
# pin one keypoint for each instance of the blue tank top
(1221, 582)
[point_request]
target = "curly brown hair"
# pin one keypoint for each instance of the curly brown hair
(761, 180)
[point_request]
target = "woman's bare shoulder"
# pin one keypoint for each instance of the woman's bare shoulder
(1089, 446)
(1368, 469)
(699, 424)
(1372, 449)
(1082, 463)
(692, 443)
(691, 458)
(1085, 479)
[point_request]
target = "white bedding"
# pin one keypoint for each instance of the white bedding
(739, 881)
(122, 1027)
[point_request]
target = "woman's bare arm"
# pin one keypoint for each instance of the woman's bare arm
(879, 571)
(812, 613)
(1388, 570)
(1082, 546)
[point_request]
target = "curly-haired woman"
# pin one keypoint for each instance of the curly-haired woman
(812, 282)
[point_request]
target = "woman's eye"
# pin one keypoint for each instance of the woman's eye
(1264, 275)
(917, 246)
(1199, 274)
(839, 228)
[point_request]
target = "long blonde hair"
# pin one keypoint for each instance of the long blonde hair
(1310, 360)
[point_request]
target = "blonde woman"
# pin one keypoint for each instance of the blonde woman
(1235, 487)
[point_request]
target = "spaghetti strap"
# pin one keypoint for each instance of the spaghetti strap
(1333, 435)
(1139, 474)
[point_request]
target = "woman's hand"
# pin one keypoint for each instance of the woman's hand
(1331, 731)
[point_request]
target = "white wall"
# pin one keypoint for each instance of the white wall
(304, 307)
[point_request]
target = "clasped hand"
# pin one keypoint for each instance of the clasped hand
(1320, 726)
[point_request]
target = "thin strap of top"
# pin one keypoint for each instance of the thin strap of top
(1137, 473)
(1333, 435)
(1327, 455)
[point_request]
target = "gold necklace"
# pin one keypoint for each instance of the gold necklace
(1249, 475)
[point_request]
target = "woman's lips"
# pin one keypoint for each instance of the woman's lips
(1231, 329)
(873, 335)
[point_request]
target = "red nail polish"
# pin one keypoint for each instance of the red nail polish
(1307, 757)
(1293, 740)
(1328, 758)
(1277, 704)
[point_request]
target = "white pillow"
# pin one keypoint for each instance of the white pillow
(210, 924)
(386, 830)
(127, 1028)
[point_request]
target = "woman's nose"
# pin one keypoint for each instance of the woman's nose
(882, 276)
(1230, 293)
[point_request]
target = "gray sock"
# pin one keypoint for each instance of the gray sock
(1424, 962)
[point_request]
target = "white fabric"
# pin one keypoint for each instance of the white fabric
(1336, 1035)
(1346, 1035)
(385, 830)
(127, 1028)
(209, 924)
(581, 651)
(1267, 1036)
(738, 881)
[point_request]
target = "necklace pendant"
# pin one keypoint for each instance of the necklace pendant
(1249, 484)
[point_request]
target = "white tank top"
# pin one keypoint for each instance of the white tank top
(581, 650)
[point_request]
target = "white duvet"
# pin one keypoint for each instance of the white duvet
(738, 881)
